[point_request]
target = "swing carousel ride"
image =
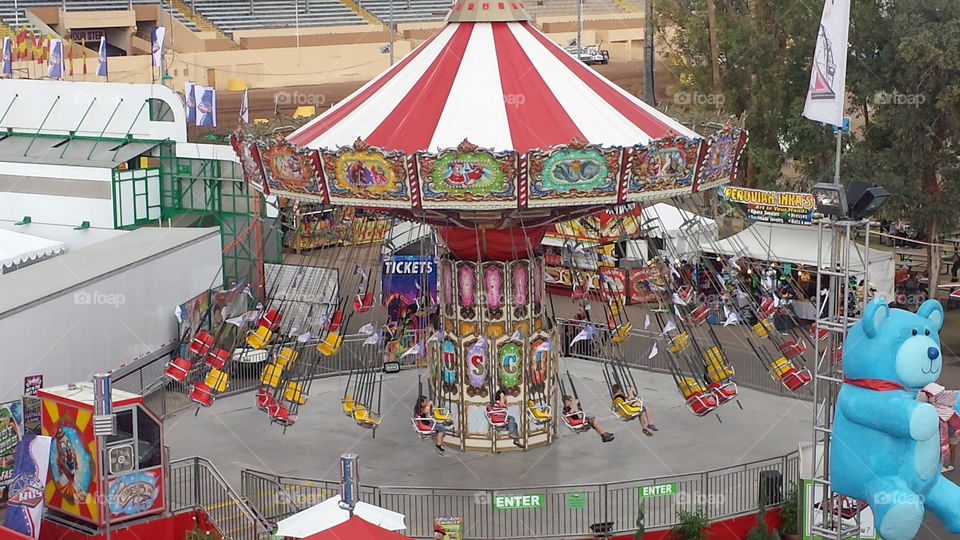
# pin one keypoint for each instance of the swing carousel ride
(489, 134)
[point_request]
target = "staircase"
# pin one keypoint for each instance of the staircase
(359, 10)
(196, 21)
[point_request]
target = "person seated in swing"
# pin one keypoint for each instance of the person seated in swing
(498, 415)
(424, 409)
(623, 405)
(575, 417)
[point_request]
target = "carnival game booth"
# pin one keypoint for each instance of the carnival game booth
(75, 492)
(492, 134)
(798, 245)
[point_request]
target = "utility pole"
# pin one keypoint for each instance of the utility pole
(649, 52)
(714, 46)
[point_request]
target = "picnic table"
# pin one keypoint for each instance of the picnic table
(906, 254)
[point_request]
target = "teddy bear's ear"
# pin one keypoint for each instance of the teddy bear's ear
(874, 316)
(931, 309)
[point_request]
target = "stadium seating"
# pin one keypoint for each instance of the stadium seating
(407, 10)
(232, 15)
(549, 8)
(9, 16)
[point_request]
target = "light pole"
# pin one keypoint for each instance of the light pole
(104, 425)
(392, 29)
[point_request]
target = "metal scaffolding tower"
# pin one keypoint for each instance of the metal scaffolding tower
(841, 301)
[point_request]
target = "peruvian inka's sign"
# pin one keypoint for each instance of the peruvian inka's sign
(771, 206)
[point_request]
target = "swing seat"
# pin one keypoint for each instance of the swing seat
(690, 387)
(364, 417)
(539, 414)
(794, 380)
(679, 342)
(425, 427)
(763, 328)
(701, 404)
(781, 366)
(627, 410)
(286, 356)
(217, 358)
(576, 422)
(716, 364)
(294, 392)
(280, 414)
(820, 334)
(699, 315)
(334, 323)
(685, 293)
(330, 344)
(615, 306)
(271, 375)
(178, 368)
(723, 392)
(271, 320)
(792, 349)
(348, 404)
(496, 418)
(767, 307)
(258, 339)
(201, 343)
(363, 303)
(442, 416)
(217, 380)
(201, 394)
(622, 332)
(264, 399)
(578, 292)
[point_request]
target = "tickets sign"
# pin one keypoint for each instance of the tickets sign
(771, 206)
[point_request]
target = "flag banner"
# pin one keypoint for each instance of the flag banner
(190, 99)
(669, 327)
(368, 329)
(83, 59)
(415, 350)
(546, 346)
(517, 335)
(245, 108)
(156, 45)
(828, 77)
(653, 352)
(25, 507)
(374, 338)
(7, 57)
(55, 69)
(69, 46)
(102, 58)
(586, 334)
(206, 100)
(22, 44)
(437, 336)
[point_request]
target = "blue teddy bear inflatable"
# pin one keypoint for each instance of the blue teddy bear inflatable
(886, 445)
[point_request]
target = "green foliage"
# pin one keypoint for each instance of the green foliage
(692, 525)
(790, 512)
(761, 531)
(641, 528)
(199, 534)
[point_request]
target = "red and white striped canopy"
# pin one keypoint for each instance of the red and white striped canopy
(500, 85)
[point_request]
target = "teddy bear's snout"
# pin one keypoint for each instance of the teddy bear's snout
(933, 353)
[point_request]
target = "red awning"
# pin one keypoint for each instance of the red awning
(356, 528)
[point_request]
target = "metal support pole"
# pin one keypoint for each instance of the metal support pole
(579, 26)
(649, 91)
(392, 32)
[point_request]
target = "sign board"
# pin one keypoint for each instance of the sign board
(31, 415)
(511, 502)
(640, 291)
(657, 490)
(576, 501)
(31, 384)
(11, 431)
(771, 206)
(450, 527)
(80, 36)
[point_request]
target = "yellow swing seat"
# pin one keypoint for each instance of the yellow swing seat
(286, 356)
(540, 414)
(294, 392)
(217, 380)
(364, 418)
(627, 410)
(271, 375)
(781, 366)
(679, 343)
(716, 365)
(689, 387)
(348, 404)
(259, 338)
(330, 345)
(763, 328)
(622, 332)
(441, 416)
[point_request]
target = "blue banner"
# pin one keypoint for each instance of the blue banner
(25, 507)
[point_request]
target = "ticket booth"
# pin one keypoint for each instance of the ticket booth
(132, 458)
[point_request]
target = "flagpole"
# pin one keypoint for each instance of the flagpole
(836, 170)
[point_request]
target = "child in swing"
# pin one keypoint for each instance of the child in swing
(498, 413)
(621, 401)
(424, 409)
(575, 417)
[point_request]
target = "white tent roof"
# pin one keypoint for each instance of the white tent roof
(669, 220)
(798, 244)
(18, 248)
(329, 514)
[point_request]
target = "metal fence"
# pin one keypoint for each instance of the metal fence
(195, 483)
(559, 511)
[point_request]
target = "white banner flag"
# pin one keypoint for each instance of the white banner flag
(828, 78)
(156, 45)
(245, 108)
(653, 351)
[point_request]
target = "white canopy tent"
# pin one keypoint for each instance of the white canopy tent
(681, 230)
(328, 514)
(798, 244)
(18, 249)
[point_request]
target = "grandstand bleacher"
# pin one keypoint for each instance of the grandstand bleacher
(407, 10)
(232, 15)
(9, 15)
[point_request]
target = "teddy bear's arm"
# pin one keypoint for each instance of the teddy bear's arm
(896, 415)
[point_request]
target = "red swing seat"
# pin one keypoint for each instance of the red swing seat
(792, 349)
(794, 379)
(201, 343)
(178, 368)
(271, 319)
(217, 358)
(363, 303)
(723, 392)
(579, 291)
(685, 293)
(202, 394)
(699, 315)
(280, 414)
(265, 399)
(700, 403)
(334, 324)
(767, 307)
(497, 417)
(819, 334)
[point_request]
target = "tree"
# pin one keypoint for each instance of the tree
(904, 80)
(765, 51)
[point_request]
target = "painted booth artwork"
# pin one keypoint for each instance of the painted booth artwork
(250, 161)
(467, 174)
(664, 165)
(447, 287)
(477, 369)
(363, 173)
(510, 360)
(449, 367)
(71, 466)
(290, 169)
(521, 288)
(720, 162)
(573, 172)
(135, 493)
(494, 288)
(466, 286)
